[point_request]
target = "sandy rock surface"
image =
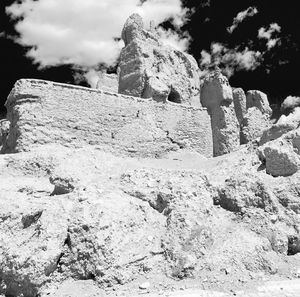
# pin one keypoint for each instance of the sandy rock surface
(132, 225)
(239, 100)
(217, 97)
(282, 126)
(253, 125)
(255, 98)
(150, 70)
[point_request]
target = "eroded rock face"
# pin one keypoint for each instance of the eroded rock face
(258, 99)
(42, 112)
(217, 97)
(256, 119)
(150, 70)
(108, 82)
(128, 219)
(283, 125)
(239, 100)
(281, 156)
(4, 130)
(253, 125)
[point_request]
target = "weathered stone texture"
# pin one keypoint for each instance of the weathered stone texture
(216, 95)
(282, 156)
(150, 70)
(253, 125)
(260, 100)
(239, 100)
(283, 125)
(44, 112)
(4, 129)
(108, 82)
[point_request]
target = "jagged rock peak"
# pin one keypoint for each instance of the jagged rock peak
(217, 74)
(133, 27)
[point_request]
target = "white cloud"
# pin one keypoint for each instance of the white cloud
(83, 32)
(241, 16)
(170, 38)
(290, 103)
(230, 60)
(268, 33)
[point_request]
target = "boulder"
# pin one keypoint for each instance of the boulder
(253, 125)
(255, 98)
(217, 97)
(283, 125)
(281, 156)
(239, 100)
(108, 82)
(240, 192)
(150, 70)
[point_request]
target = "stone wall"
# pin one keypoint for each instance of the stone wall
(43, 112)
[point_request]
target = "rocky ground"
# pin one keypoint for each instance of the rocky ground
(81, 222)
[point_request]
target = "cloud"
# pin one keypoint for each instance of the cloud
(290, 103)
(230, 60)
(86, 32)
(267, 34)
(171, 38)
(241, 16)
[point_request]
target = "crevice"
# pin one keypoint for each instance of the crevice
(59, 259)
(28, 220)
(293, 245)
(180, 145)
(68, 241)
(174, 96)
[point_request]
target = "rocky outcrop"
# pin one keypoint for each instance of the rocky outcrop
(283, 125)
(108, 82)
(4, 130)
(282, 156)
(150, 70)
(216, 95)
(76, 116)
(120, 221)
(239, 100)
(257, 116)
(253, 125)
(258, 99)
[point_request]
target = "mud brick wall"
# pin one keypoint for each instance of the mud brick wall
(43, 112)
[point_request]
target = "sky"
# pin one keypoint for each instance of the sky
(255, 43)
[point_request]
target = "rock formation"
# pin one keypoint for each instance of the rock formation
(282, 156)
(4, 130)
(217, 97)
(108, 82)
(257, 117)
(282, 126)
(104, 194)
(258, 99)
(239, 100)
(150, 70)
(253, 125)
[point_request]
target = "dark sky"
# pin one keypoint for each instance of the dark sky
(277, 74)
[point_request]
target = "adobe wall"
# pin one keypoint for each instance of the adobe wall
(43, 112)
